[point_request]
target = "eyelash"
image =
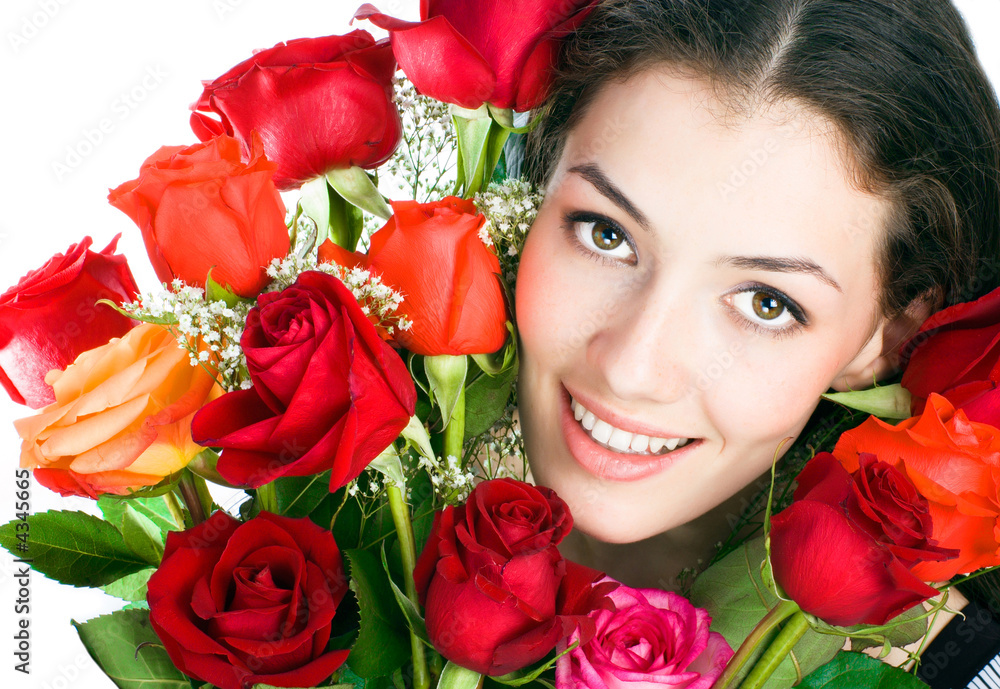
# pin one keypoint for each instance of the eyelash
(801, 320)
(570, 222)
(572, 219)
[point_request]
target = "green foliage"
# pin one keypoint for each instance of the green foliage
(131, 587)
(297, 496)
(383, 643)
(114, 641)
(858, 671)
(75, 548)
(486, 400)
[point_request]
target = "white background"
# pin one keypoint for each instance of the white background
(67, 65)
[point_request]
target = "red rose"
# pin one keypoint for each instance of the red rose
(51, 316)
(243, 604)
(956, 353)
(490, 577)
(816, 540)
(327, 392)
(955, 464)
(317, 103)
(201, 208)
(468, 52)
(433, 253)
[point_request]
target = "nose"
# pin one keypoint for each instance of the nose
(646, 348)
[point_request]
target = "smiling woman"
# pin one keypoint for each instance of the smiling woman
(768, 218)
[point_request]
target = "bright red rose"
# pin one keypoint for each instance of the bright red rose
(317, 103)
(816, 540)
(201, 208)
(243, 604)
(327, 392)
(955, 464)
(433, 253)
(490, 578)
(956, 353)
(468, 52)
(51, 316)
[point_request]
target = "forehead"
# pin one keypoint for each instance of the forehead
(769, 175)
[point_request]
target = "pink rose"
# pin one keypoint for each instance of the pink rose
(655, 640)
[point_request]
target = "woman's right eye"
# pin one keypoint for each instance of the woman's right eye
(602, 238)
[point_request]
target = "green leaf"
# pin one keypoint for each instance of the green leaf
(413, 618)
(446, 375)
(735, 595)
(383, 643)
(457, 677)
(357, 188)
(112, 641)
(142, 536)
(885, 401)
(298, 496)
(75, 548)
(131, 587)
(156, 509)
(486, 399)
(859, 671)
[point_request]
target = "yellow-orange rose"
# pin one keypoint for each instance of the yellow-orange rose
(121, 419)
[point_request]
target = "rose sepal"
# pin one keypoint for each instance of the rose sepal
(522, 677)
(501, 360)
(454, 676)
(884, 401)
(357, 187)
(446, 375)
(336, 218)
(480, 141)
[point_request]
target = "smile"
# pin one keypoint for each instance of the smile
(620, 440)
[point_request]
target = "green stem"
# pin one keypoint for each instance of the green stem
(194, 496)
(778, 614)
(454, 432)
(782, 645)
(267, 498)
(408, 553)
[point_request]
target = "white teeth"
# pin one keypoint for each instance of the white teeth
(621, 440)
(640, 443)
(602, 431)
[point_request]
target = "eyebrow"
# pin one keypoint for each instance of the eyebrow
(774, 264)
(611, 191)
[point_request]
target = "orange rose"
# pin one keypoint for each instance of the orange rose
(955, 464)
(121, 419)
(434, 254)
(202, 208)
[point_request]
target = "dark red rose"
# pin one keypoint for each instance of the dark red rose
(317, 103)
(490, 578)
(470, 52)
(837, 552)
(51, 315)
(243, 604)
(327, 392)
(956, 353)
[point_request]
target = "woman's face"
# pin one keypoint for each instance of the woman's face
(689, 289)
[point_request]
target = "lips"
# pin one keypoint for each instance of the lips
(596, 449)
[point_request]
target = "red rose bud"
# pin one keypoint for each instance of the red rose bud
(51, 316)
(433, 253)
(842, 523)
(327, 392)
(201, 208)
(237, 605)
(953, 462)
(470, 52)
(490, 578)
(317, 103)
(956, 353)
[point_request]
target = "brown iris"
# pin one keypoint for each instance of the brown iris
(766, 306)
(606, 237)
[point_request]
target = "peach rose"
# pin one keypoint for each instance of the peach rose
(955, 464)
(121, 419)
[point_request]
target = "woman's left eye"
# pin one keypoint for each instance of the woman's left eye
(766, 308)
(601, 238)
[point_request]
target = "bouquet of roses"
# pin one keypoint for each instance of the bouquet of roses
(363, 401)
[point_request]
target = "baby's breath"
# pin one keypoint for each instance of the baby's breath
(510, 207)
(425, 160)
(450, 481)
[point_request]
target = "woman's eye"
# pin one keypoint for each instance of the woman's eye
(604, 238)
(766, 309)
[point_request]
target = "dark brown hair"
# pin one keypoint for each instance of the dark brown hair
(900, 80)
